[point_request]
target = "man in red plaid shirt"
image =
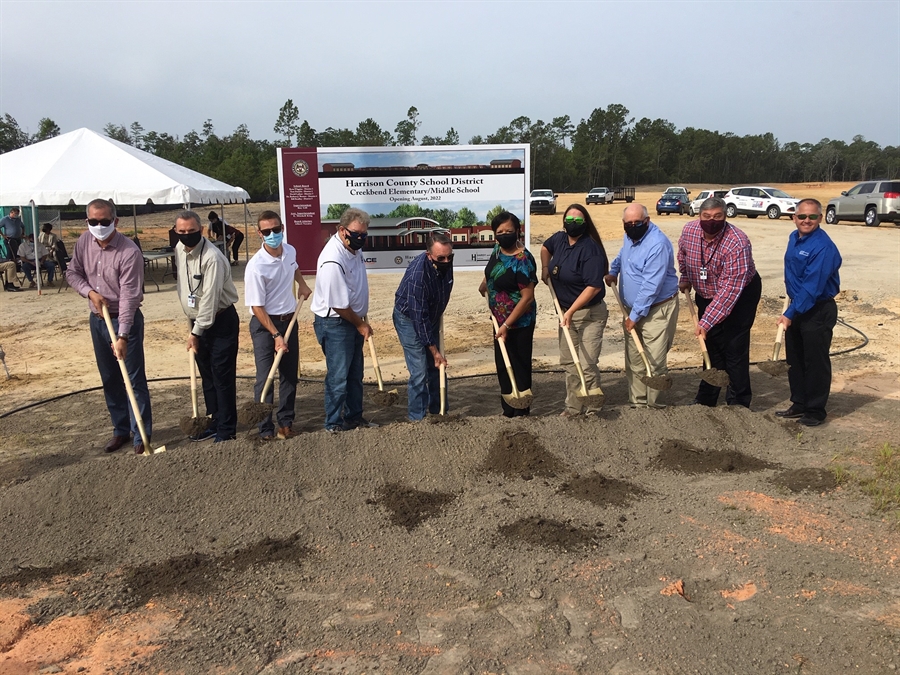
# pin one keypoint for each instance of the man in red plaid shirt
(716, 260)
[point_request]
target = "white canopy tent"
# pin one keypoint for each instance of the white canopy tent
(74, 168)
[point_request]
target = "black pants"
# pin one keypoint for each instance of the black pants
(728, 344)
(236, 244)
(519, 344)
(807, 342)
(217, 363)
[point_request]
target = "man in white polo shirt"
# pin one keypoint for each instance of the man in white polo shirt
(269, 293)
(340, 303)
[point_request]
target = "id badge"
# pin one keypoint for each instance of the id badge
(702, 275)
(192, 299)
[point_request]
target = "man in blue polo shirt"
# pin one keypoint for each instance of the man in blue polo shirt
(419, 303)
(645, 272)
(811, 265)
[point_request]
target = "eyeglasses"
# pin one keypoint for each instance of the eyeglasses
(808, 216)
(103, 221)
(356, 235)
(443, 258)
(573, 220)
(634, 223)
(270, 230)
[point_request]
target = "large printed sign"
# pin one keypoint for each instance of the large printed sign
(409, 193)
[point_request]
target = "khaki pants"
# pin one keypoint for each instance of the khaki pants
(657, 332)
(7, 272)
(586, 328)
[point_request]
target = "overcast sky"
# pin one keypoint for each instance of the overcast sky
(801, 70)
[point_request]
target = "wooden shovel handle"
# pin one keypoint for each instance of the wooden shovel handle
(505, 354)
(287, 334)
(128, 386)
(192, 365)
(371, 341)
(568, 335)
(443, 368)
(703, 350)
(634, 335)
(779, 334)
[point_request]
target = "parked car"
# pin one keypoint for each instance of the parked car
(871, 202)
(754, 201)
(694, 206)
(600, 196)
(672, 202)
(678, 189)
(542, 201)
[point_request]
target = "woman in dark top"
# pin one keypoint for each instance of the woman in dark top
(220, 230)
(576, 262)
(509, 280)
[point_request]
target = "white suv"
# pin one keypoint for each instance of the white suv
(694, 207)
(755, 201)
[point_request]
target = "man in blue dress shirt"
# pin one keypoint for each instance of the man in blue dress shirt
(811, 265)
(419, 304)
(648, 286)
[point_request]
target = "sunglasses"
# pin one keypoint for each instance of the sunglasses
(357, 235)
(807, 216)
(634, 223)
(103, 221)
(270, 230)
(444, 258)
(574, 220)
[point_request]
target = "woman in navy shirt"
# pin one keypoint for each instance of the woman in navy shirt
(576, 262)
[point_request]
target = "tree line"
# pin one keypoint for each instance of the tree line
(610, 147)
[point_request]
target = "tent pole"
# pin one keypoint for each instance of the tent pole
(246, 236)
(134, 217)
(37, 262)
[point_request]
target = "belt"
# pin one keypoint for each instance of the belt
(112, 315)
(661, 302)
(281, 317)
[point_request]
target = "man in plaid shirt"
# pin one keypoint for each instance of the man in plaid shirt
(716, 260)
(419, 304)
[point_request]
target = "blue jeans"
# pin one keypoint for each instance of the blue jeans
(343, 348)
(117, 401)
(28, 268)
(423, 390)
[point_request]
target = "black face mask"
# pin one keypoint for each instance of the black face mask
(442, 267)
(508, 240)
(575, 230)
(190, 240)
(355, 240)
(636, 232)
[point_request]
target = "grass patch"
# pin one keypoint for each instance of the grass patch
(878, 476)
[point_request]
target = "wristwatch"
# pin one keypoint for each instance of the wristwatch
(122, 336)
(276, 335)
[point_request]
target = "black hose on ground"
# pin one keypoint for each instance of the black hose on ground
(396, 383)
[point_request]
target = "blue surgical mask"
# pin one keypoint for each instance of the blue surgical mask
(274, 239)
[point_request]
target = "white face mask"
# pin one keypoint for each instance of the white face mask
(102, 232)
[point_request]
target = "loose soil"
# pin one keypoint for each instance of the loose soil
(638, 541)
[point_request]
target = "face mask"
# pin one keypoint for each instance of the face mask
(442, 267)
(508, 240)
(637, 231)
(575, 230)
(712, 226)
(355, 240)
(192, 239)
(274, 239)
(102, 232)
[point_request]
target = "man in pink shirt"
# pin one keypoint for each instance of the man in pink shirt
(108, 269)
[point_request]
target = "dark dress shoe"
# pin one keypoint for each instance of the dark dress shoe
(115, 443)
(792, 413)
(810, 421)
(139, 448)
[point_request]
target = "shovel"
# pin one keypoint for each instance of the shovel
(381, 397)
(658, 382)
(595, 397)
(520, 400)
(130, 389)
(192, 426)
(713, 376)
(443, 368)
(776, 367)
(254, 413)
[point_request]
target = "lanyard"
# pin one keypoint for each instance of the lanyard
(711, 255)
(198, 277)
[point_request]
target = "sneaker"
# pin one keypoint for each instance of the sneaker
(265, 438)
(285, 433)
(334, 430)
(31, 284)
(792, 413)
(810, 421)
(203, 436)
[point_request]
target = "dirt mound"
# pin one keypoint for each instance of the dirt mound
(549, 533)
(806, 480)
(519, 454)
(600, 490)
(21, 470)
(409, 507)
(677, 455)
